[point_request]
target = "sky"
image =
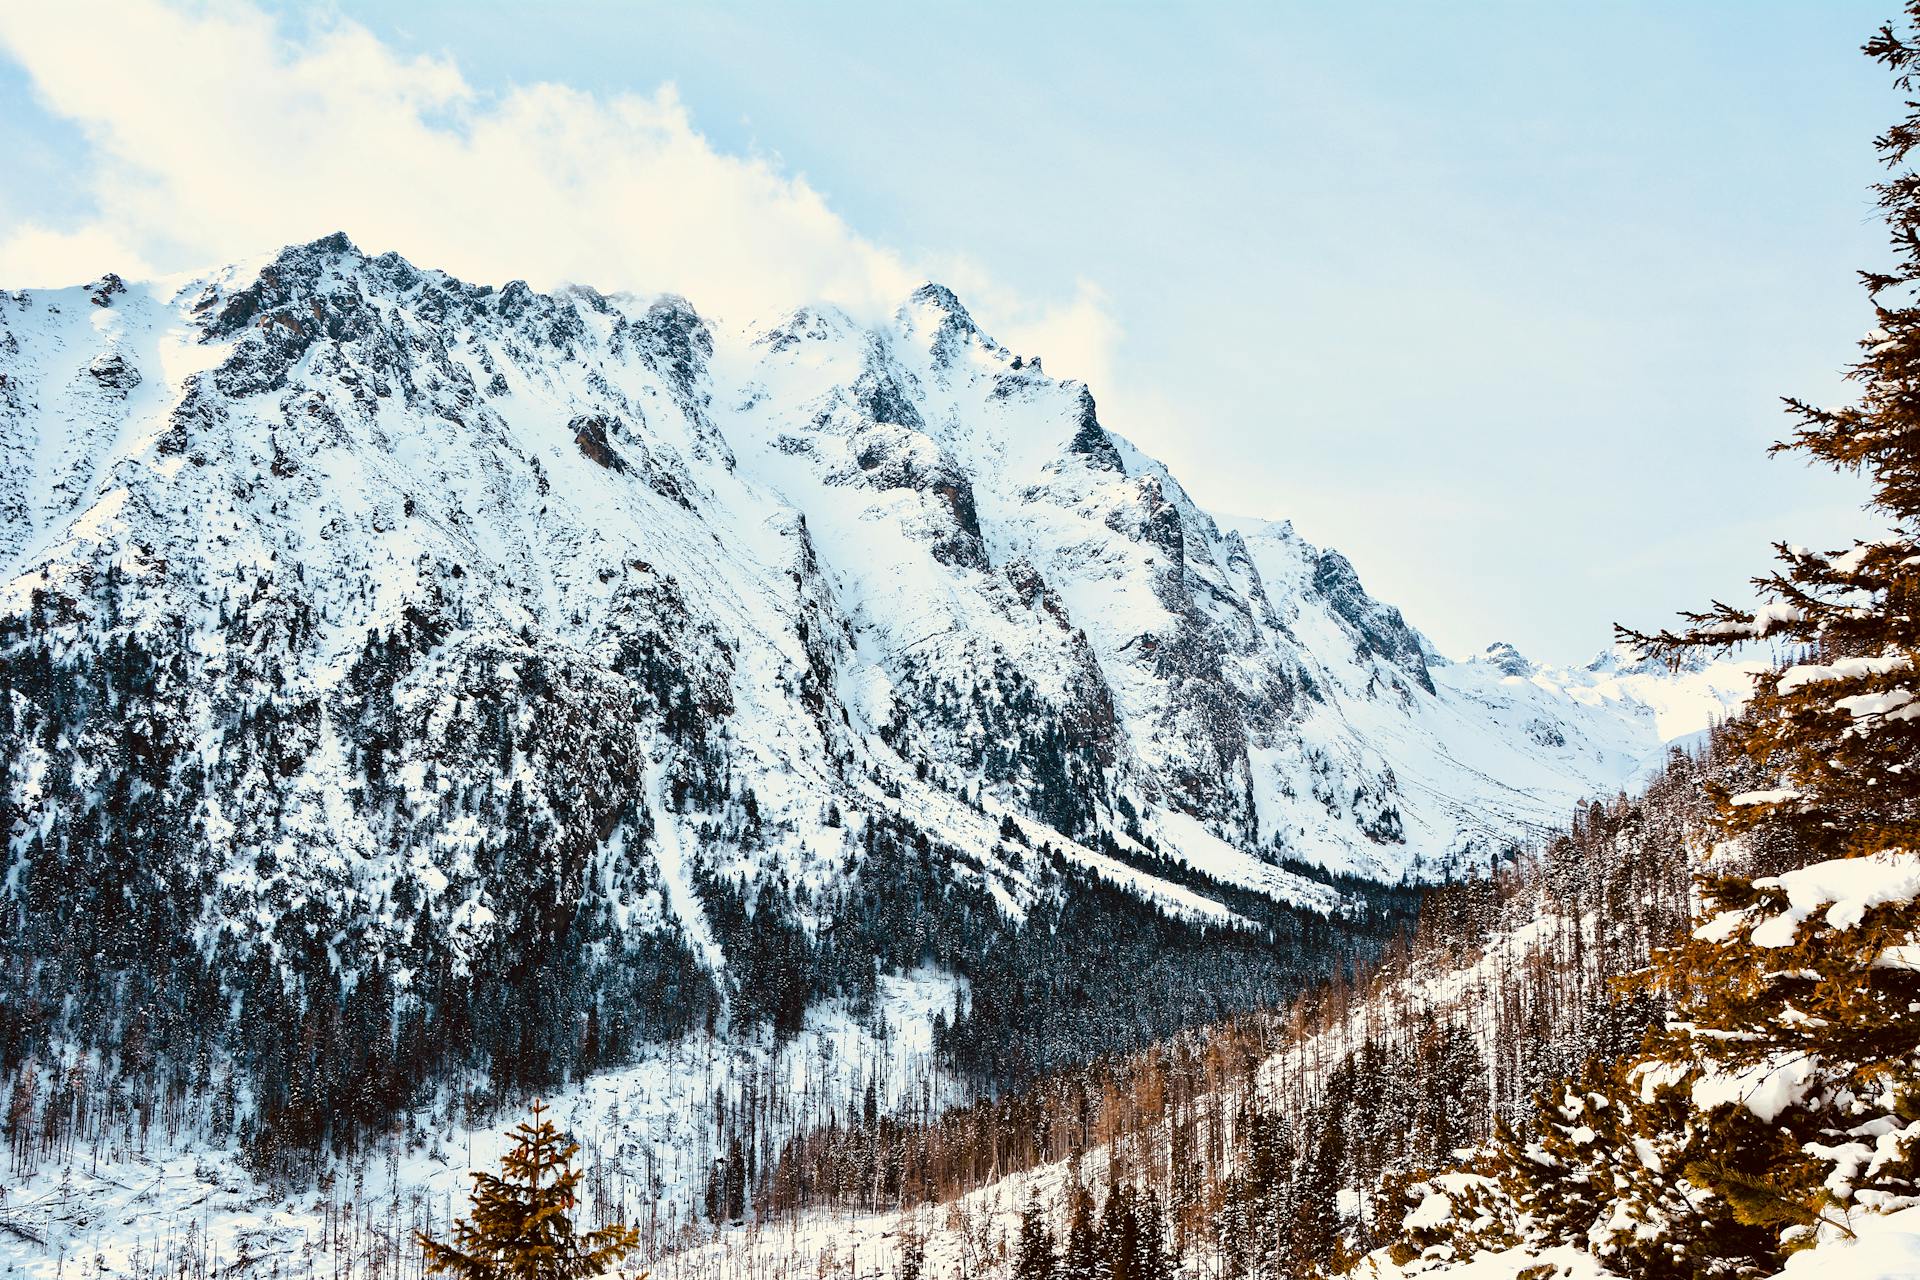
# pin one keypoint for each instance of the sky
(1498, 299)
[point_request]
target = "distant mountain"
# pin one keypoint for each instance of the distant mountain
(359, 621)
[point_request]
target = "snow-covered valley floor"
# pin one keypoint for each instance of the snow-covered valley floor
(184, 1203)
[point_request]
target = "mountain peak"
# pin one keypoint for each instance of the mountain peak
(953, 326)
(1509, 660)
(1380, 626)
(308, 258)
(938, 295)
(1090, 439)
(294, 273)
(335, 243)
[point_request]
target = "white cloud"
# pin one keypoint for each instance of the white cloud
(215, 136)
(1075, 338)
(33, 256)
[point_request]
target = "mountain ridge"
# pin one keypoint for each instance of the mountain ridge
(1059, 550)
(414, 691)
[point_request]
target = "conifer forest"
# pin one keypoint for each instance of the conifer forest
(703, 762)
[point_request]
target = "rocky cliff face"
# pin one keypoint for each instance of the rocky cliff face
(377, 597)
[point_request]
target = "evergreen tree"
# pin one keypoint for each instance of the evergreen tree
(1236, 1243)
(1561, 1175)
(1082, 1258)
(1119, 1235)
(1316, 1226)
(1154, 1261)
(520, 1228)
(1795, 1033)
(913, 1255)
(1034, 1253)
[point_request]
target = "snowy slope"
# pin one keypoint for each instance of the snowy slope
(900, 559)
(396, 623)
(171, 1196)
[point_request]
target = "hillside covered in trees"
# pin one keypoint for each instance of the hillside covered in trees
(1681, 1039)
(419, 695)
(1295, 1139)
(895, 828)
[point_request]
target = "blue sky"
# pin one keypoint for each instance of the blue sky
(1497, 298)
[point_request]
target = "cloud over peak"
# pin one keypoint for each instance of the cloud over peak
(219, 133)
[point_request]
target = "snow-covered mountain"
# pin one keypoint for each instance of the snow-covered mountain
(861, 568)
(407, 683)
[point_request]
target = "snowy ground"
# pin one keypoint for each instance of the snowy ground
(474, 472)
(647, 1132)
(971, 1236)
(1883, 1247)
